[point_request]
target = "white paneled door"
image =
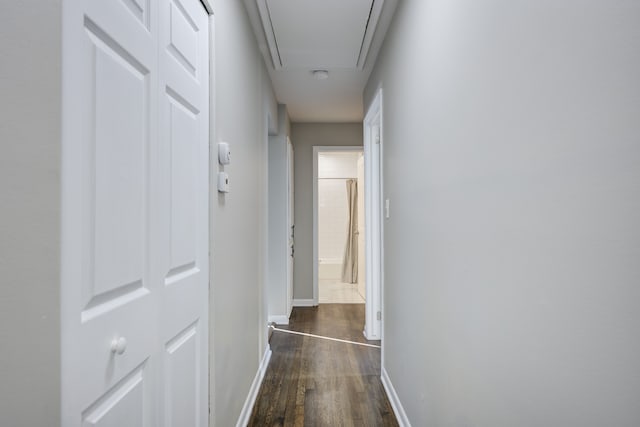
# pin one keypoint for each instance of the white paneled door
(135, 213)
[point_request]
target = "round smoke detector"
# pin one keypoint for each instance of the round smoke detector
(320, 74)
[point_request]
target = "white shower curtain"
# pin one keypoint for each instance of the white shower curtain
(350, 259)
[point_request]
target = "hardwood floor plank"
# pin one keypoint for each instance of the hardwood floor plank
(316, 382)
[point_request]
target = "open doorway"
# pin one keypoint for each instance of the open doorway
(340, 261)
(370, 230)
(374, 244)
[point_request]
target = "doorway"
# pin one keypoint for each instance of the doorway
(374, 244)
(340, 262)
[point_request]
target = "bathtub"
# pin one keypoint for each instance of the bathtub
(329, 269)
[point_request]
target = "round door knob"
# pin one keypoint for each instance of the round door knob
(118, 345)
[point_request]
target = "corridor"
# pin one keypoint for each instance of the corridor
(316, 382)
(159, 180)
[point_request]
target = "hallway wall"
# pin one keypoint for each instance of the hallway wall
(511, 152)
(245, 108)
(304, 136)
(30, 134)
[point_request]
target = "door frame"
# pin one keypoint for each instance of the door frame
(208, 6)
(316, 150)
(290, 225)
(374, 227)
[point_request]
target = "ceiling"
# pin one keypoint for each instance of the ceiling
(343, 37)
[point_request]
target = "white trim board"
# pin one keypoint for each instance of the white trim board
(208, 6)
(398, 410)
(245, 414)
(304, 303)
(373, 207)
(279, 319)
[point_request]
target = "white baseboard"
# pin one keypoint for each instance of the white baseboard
(401, 416)
(245, 414)
(304, 303)
(279, 320)
(372, 337)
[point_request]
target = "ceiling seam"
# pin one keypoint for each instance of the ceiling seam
(273, 31)
(364, 35)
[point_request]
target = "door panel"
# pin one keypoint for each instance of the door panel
(183, 377)
(122, 406)
(183, 127)
(184, 131)
(120, 151)
(140, 9)
(109, 116)
(183, 37)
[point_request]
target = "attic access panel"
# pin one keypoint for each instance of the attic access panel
(319, 34)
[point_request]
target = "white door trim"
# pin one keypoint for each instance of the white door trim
(290, 227)
(373, 223)
(208, 6)
(213, 172)
(319, 149)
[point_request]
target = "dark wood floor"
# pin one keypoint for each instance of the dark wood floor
(315, 382)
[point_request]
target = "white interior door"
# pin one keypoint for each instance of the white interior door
(135, 213)
(290, 225)
(183, 216)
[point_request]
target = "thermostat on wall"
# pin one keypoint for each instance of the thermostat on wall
(224, 153)
(223, 182)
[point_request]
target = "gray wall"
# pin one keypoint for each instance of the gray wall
(512, 163)
(245, 106)
(304, 136)
(30, 134)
